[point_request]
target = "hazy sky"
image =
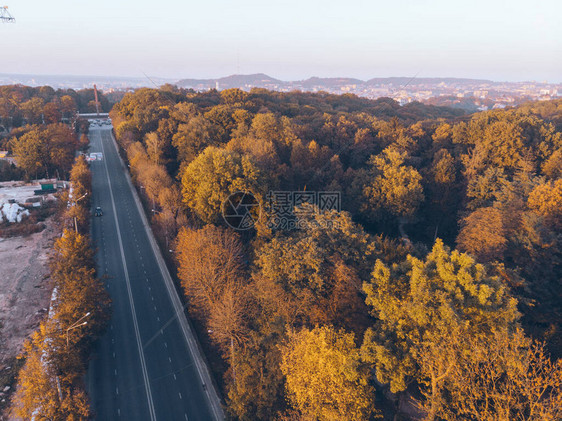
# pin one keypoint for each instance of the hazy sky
(290, 39)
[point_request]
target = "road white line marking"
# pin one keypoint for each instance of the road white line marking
(170, 359)
(114, 355)
(175, 378)
(115, 371)
(186, 419)
(130, 293)
(166, 344)
(179, 393)
(191, 343)
(118, 411)
(157, 318)
(116, 390)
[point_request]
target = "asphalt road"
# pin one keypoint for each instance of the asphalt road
(145, 366)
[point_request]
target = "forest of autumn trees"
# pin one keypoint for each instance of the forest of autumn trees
(20, 105)
(436, 286)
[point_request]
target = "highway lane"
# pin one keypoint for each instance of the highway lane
(143, 368)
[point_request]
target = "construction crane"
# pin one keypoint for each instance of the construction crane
(5, 16)
(97, 101)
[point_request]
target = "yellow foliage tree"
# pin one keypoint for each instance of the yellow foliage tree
(325, 379)
(36, 389)
(43, 393)
(215, 174)
(393, 187)
(504, 377)
(421, 302)
(483, 234)
(546, 199)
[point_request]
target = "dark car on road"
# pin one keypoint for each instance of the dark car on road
(98, 212)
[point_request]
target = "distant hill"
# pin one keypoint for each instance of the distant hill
(261, 80)
(258, 80)
(329, 82)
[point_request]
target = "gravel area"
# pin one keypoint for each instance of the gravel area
(25, 292)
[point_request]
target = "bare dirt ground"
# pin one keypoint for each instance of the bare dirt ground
(25, 292)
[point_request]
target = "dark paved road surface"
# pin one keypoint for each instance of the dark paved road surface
(145, 366)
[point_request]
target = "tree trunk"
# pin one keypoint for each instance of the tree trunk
(232, 360)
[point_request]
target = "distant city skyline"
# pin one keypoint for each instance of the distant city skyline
(467, 94)
(293, 40)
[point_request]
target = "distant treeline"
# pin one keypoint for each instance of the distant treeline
(39, 128)
(21, 105)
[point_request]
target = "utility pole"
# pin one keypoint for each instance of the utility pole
(5, 16)
(75, 202)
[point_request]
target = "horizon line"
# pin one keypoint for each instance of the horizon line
(176, 80)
